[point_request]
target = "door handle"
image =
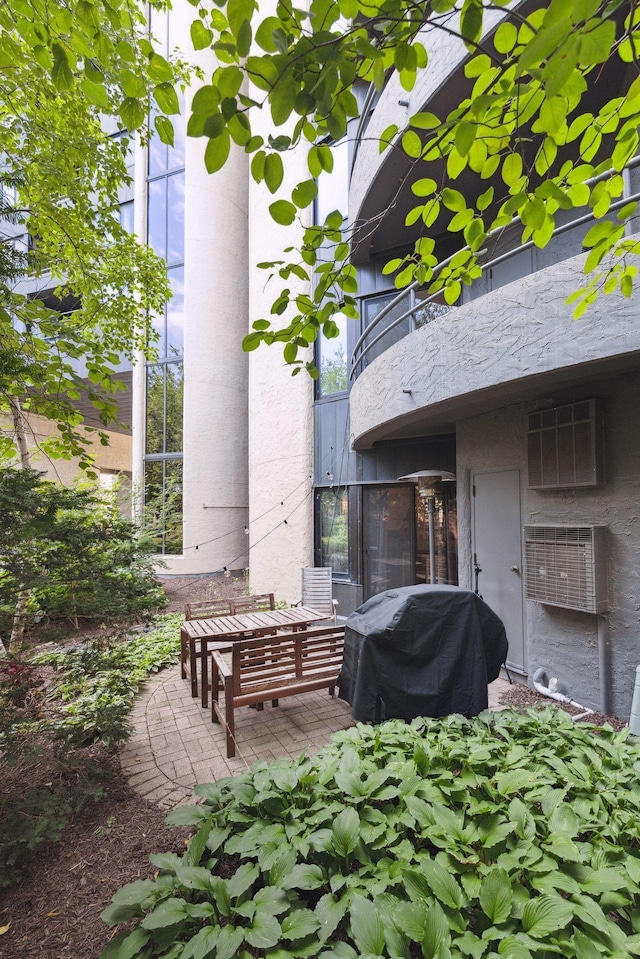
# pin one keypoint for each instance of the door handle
(515, 569)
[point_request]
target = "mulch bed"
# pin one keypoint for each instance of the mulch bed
(53, 912)
(520, 696)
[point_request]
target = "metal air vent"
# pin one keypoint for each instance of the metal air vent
(566, 566)
(564, 446)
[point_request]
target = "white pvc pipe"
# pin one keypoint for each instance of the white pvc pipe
(559, 697)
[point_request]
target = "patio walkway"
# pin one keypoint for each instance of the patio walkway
(174, 743)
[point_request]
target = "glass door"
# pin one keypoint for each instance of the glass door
(388, 538)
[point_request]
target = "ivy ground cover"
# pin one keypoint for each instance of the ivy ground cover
(511, 835)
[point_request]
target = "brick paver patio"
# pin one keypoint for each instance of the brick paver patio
(175, 745)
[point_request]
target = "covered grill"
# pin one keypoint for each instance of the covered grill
(421, 651)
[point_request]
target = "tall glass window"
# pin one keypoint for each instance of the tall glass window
(165, 376)
(333, 519)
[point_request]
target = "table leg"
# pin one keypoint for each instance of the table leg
(205, 673)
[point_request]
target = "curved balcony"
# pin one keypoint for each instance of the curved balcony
(493, 351)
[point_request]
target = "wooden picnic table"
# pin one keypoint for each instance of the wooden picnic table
(222, 631)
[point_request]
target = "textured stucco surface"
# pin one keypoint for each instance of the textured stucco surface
(565, 642)
(280, 418)
(503, 340)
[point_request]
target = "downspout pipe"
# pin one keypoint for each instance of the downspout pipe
(553, 690)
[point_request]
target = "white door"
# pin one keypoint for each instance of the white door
(497, 553)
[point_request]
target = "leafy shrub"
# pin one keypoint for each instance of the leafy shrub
(511, 835)
(98, 682)
(73, 551)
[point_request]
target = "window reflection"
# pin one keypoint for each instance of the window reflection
(163, 504)
(165, 400)
(333, 522)
(175, 312)
(175, 219)
(174, 392)
(155, 410)
(157, 217)
(332, 361)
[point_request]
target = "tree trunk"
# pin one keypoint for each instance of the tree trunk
(20, 611)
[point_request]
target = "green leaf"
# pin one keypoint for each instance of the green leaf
(367, 927)
(132, 114)
(304, 193)
(166, 98)
(170, 912)
(217, 152)
(436, 931)
(264, 932)
(496, 896)
(229, 941)
(61, 73)
(200, 36)
(412, 144)
(442, 884)
(304, 875)
(299, 924)
(545, 914)
(346, 831)
(164, 129)
(283, 212)
(126, 945)
(273, 171)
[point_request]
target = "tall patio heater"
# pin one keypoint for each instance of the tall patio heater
(426, 480)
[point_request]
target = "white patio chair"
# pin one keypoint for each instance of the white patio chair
(317, 591)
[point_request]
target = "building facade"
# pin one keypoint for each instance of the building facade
(494, 445)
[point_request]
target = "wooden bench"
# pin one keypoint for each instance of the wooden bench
(272, 667)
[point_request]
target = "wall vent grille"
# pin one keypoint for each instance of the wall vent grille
(564, 446)
(565, 566)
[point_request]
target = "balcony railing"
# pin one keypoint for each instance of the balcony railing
(413, 317)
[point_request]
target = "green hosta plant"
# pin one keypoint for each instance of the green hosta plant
(511, 835)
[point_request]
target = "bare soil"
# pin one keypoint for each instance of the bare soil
(53, 911)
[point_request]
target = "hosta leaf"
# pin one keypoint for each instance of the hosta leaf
(514, 948)
(202, 945)
(366, 926)
(229, 941)
(126, 945)
(545, 914)
(168, 913)
(436, 931)
(299, 924)
(496, 896)
(564, 820)
(442, 884)
(585, 948)
(410, 919)
(303, 876)
(345, 832)
(329, 911)
(243, 879)
(264, 931)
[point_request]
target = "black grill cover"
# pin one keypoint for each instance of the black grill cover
(421, 651)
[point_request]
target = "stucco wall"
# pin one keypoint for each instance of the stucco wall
(564, 642)
(280, 414)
